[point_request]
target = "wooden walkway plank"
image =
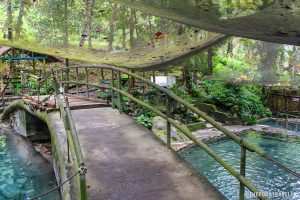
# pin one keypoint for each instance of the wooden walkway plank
(126, 162)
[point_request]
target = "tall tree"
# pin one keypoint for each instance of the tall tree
(66, 23)
(112, 26)
(9, 20)
(131, 27)
(20, 19)
(87, 22)
(269, 54)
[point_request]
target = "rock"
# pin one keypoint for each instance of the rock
(159, 123)
(207, 108)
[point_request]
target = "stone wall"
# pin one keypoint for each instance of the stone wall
(30, 126)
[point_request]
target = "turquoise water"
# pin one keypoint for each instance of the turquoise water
(281, 124)
(23, 171)
(264, 175)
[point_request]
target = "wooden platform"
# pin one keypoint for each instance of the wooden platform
(77, 102)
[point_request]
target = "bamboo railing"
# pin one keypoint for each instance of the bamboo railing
(117, 90)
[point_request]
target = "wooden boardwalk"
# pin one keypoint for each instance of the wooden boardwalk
(126, 162)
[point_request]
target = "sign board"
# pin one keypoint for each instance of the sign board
(164, 81)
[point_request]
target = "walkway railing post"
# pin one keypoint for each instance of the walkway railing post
(120, 98)
(112, 91)
(77, 80)
(39, 89)
(62, 75)
(87, 81)
(242, 171)
(144, 84)
(67, 74)
(169, 111)
(102, 74)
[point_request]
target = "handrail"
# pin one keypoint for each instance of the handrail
(244, 144)
(73, 140)
(234, 137)
(188, 133)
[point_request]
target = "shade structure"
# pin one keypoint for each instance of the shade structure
(266, 20)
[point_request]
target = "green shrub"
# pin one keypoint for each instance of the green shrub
(245, 101)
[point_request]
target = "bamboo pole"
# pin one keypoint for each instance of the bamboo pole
(112, 91)
(67, 74)
(242, 171)
(120, 98)
(77, 79)
(169, 107)
(87, 82)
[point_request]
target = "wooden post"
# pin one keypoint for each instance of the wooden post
(67, 74)
(210, 61)
(45, 74)
(112, 91)
(242, 171)
(67, 129)
(131, 83)
(62, 75)
(33, 64)
(102, 74)
(120, 98)
(286, 121)
(87, 82)
(98, 76)
(286, 108)
(169, 111)
(39, 90)
(144, 84)
(153, 75)
(77, 80)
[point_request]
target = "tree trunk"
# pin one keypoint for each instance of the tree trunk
(66, 24)
(87, 22)
(9, 20)
(131, 28)
(90, 24)
(20, 20)
(269, 54)
(151, 34)
(210, 55)
(112, 27)
(187, 79)
(124, 37)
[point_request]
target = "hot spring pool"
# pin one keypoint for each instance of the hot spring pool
(280, 123)
(23, 171)
(263, 174)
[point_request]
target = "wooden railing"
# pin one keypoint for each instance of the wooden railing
(72, 140)
(118, 93)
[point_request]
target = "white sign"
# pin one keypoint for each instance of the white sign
(164, 81)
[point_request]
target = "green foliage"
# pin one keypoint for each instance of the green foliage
(226, 68)
(182, 92)
(244, 101)
(144, 117)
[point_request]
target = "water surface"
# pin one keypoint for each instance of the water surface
(264, 175)
(23, 172)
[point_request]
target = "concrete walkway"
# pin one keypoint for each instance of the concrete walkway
(126, 162)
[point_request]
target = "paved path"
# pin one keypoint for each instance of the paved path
(126, 162)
